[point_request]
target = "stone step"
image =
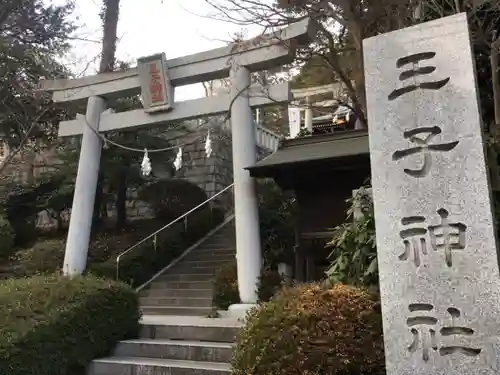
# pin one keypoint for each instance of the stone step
(177, 292)
(186, 277)
(190, 270)
(228, 233)
(225, 233)
(228, 227)
(193, 263)
(215, 249)
(220, 242)
(191, 332)
(175, 349)
(222, 239)
(175, 310)
(210, 257)
(196, 285)
(143, 366)
(221, 261)
(176, 301)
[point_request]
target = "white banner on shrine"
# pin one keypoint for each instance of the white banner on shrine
(294, 121)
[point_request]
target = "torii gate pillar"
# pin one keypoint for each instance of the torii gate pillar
(248, 245)
(80, 225)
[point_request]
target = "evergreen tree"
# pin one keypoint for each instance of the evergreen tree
(33, 35)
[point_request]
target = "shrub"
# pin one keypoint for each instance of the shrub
(226, 285)
(56, 326)
(315, 331)
(270, 282)
(42, 258)
(6, 239)
(46, 257)
(353, 259)
(170, 199)
(276, 211)
(21, 203)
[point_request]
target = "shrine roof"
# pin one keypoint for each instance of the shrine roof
(313, 148)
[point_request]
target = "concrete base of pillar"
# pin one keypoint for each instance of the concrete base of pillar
(239, 310)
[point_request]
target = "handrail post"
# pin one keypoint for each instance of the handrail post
(118, 267)
(210, 212)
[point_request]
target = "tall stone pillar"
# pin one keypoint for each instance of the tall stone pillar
(77, 245)
(248, 246)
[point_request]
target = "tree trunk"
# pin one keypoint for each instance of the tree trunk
(109, 16)
(59, 219)
(111, 11)
(359, 74)
(121, 199)
(495, 52)
(492, 149)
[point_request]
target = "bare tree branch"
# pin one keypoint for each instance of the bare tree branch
(22, 144)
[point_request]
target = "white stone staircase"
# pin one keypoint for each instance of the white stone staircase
(177, 337)
(174, 345)
(186, 287)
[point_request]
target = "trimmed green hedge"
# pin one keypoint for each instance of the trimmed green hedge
(43, 258)
(56, 326)
(226, 285)
(313, 330)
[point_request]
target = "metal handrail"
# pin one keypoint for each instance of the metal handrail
(153, 235)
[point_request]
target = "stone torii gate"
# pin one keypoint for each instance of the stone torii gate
(155, 75)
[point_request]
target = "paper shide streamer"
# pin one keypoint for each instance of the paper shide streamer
(178, 160)
(208, 145)
(146, 164)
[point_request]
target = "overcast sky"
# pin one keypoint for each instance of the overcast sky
(151, 26)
